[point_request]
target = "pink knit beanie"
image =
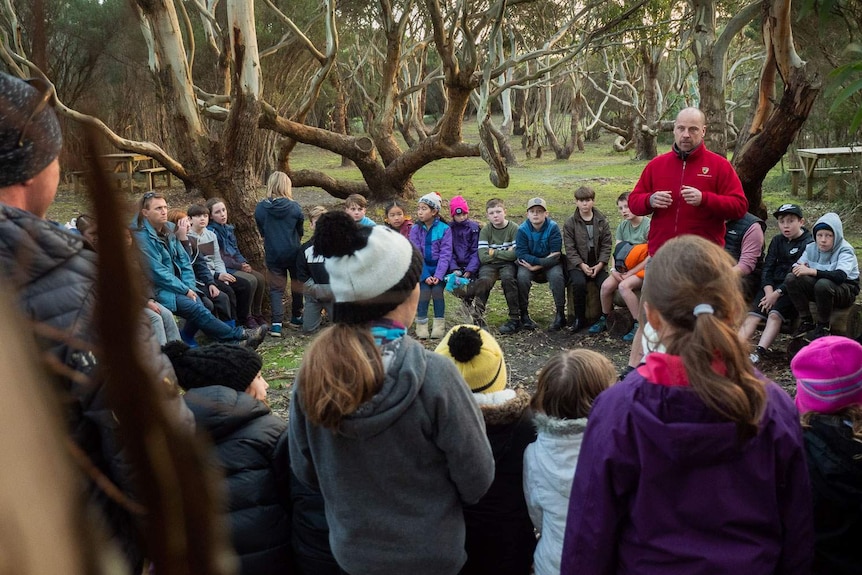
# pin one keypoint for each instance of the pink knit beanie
(458, 205)
(828, 375)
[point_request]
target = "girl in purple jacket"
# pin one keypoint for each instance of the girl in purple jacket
(693, 464)
(465, 239)
(433, 238)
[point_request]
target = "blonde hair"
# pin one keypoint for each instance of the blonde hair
(316, 212)
(279, 186)
(570, 381)
(688, 271)
(341, 370)
(356, 200)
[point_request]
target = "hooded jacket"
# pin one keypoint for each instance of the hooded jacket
(500, 537)
(280, 221)
(549, 468)
(397, 471)
(723, 197)
(838, 264)
(435, 245)
(835, 466)
(53, 275)
(663, 485)
(170, 266)
(250, 443)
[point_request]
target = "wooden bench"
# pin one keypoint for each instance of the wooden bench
(80, 176)
(830, 172)
(152, 172)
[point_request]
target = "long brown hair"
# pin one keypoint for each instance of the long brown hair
(341, 369)
(570, 381)
(688, 271)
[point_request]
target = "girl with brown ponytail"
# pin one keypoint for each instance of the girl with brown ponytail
(385, 429)
(694, 463)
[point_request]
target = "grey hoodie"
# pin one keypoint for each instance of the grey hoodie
(396, 473)
(841, 258)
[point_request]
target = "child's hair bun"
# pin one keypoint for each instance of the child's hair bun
(336, 235)
(465, 344)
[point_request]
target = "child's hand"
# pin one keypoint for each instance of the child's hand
(800, 270)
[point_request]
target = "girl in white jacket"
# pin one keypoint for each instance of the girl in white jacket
(565, 391)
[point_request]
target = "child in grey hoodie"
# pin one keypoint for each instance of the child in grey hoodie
(827, 274)
(385, 429)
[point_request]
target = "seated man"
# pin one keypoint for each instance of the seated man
(538, 247)
(174, 279)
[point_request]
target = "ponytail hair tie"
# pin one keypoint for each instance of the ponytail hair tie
(703, 308)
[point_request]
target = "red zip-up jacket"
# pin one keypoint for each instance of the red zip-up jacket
(723, 198)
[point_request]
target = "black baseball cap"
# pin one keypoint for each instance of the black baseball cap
(788, 209)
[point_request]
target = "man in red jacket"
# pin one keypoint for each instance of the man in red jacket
(688, 190)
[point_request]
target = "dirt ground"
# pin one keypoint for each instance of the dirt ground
(526, 352)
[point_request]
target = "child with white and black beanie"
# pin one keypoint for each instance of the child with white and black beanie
(371, 269)
(369, 399)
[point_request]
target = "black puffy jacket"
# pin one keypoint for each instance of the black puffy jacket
(835, 467)
(251, 446)
(53, 275)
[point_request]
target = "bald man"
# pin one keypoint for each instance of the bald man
(688, 190)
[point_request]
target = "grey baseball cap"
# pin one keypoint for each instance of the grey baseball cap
(537, 202)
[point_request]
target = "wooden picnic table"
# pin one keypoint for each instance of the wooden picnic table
(127, 163)
(843, 156)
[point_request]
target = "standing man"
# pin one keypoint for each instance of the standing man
(688, 190)
(53, 275)
(174, 279)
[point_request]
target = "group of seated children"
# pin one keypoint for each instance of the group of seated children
(800, 269)
(518, 256)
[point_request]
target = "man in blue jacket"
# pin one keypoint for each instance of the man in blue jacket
(174, 280)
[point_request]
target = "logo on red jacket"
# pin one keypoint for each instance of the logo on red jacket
(705, 170)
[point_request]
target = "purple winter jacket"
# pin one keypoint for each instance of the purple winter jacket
(465, 246)
(662, 486)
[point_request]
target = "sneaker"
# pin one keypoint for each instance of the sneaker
(295, 322)
(821, 330)
(528, 323)
(599, 326)
(757, 355)
(510, 326)
(254, 337)
(275, 330)
(805, 326)
(630, 336)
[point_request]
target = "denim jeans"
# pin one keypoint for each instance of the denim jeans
(198, 317)
(163, 323)
(426, 294)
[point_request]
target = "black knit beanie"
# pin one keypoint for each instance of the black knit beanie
(215, 364)
(42, 138)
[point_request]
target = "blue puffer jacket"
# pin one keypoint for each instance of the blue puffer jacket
(251, 445)
(169, 263)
